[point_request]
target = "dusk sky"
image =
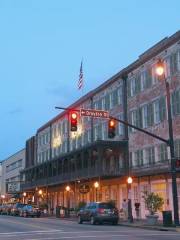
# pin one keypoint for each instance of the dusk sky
(42, 43)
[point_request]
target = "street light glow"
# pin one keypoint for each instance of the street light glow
(129, 180)
(96, 184)
(40, 192)
(160, 68)
(24, 194)
(68, 188)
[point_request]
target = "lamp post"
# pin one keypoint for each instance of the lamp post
(96, 185)
(160, 72)
(24, 195)
(129, 182)
(68, 197)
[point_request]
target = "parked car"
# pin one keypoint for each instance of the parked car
(98, 212)
(6, 209)
(15, 210)
(29, 210)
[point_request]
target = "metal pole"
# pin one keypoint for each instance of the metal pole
(130, 216)
(172, 154)
(126, 134)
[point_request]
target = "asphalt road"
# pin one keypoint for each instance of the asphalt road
(17, 228)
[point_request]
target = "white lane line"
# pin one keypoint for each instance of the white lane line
(91, 236)
(32, 232)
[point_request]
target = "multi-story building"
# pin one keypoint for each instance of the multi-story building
(0, 176)
(10, 178)
(78, 159)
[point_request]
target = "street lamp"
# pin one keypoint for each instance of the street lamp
(40, 192)
(160, 72)
(129, 182)
(96, 185)
(68, 197)
(2, 198)
(24, 195)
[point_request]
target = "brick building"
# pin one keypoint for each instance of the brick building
(62, 157)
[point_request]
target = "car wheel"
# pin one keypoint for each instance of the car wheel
(80, 220)
(25, 214)
(92, 220)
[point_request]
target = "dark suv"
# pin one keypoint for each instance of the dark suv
(98, 212)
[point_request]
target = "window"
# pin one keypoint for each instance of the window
(177, 148)
(95, 133)
(107, 102)
(114, 98)
(104, 131)
(150, 155)
(163, 153)
(176, 102)
(120, 128)
(150, 113)
(132, 87)
(145, 116)
(174, 63)
(156, 111)
(20, 163)
(135, 118)
(120, 95)
(146, 78)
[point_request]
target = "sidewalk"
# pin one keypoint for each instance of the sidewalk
(136, 224)
(143, 224)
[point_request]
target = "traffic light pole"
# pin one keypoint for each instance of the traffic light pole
(173, 167)
(169, 142)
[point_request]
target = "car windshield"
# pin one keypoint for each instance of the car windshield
(105, 205)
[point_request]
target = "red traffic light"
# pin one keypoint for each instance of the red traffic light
(73, 119)
(111, 128)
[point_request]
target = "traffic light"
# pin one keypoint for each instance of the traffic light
(73, 119)
(111, 128)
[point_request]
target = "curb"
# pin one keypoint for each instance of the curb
(173, 229)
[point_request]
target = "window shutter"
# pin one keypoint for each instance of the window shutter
(129, 87)
(148, 77)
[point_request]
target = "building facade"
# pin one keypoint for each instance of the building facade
(78, 159)
(10, 178)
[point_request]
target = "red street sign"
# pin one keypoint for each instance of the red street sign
(94, 113)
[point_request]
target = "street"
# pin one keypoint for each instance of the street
(17, 228)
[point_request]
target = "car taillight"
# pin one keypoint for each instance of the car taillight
(100, 210)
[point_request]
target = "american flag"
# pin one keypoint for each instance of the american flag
(80, 82)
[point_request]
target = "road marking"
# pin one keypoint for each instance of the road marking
(94, 236)
(28, 223)
(31, 232)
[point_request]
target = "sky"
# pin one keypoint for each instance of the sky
(42, 43)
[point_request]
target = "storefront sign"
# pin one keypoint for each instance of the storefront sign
(13, 187)
(84, 188)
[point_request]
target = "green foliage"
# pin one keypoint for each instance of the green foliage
(153, 202)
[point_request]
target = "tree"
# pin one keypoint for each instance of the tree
(153, 202)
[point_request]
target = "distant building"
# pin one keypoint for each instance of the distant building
(0, 177)
(10, 179)
(79, 159)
